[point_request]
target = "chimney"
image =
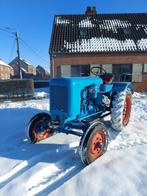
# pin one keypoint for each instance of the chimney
(91, 10)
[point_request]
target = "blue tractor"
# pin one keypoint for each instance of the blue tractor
(77, 105)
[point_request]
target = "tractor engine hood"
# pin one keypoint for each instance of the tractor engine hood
(65, 94)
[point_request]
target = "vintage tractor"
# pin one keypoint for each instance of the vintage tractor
(77, 105)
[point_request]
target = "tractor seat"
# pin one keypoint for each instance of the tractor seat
(107, 78)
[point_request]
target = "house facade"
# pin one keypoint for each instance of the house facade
(28, 71)
(41, 73)
(5, 71)
(116, 42)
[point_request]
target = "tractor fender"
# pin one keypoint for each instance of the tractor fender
(39, 114)
(32, 119)
(122, 86)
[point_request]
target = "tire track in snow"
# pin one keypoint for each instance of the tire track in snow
(51, 181)
(125, 139)
(19, 169)
(54, 175)
(51, 177)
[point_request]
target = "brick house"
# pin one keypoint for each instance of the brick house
(41, 73)
(5, 71)
(116, 42)
(28, 71)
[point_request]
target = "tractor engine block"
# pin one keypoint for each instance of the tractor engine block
(89, 99)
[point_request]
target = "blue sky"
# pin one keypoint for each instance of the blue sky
(33, 20)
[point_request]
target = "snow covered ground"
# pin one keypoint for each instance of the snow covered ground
(53, 165)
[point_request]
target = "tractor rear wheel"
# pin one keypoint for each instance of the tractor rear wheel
(39, 127)
(94, 143)
(121, 110)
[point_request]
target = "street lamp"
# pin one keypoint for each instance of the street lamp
(8, 29)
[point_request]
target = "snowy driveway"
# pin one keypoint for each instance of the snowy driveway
(53, 165)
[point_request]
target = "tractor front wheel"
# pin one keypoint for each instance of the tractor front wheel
(39, 127)
(94, 143)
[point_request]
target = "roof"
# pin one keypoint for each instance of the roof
(23, 70)
(22, 60)
(99, 33)
(4, 64)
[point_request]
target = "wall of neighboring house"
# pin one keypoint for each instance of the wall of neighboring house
(13, 64)
(31, 69)
(5, 72)
(125, 67)
(42, 74)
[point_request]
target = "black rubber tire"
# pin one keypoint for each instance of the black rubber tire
(86, 140)
(41, 117)
(117, 110)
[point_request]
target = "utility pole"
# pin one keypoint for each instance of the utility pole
(8, 30)
(18, 55)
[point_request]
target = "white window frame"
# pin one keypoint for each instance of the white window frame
(145, 68)
(137, 73)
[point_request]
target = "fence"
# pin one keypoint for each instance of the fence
(16, 89)
(41, 83)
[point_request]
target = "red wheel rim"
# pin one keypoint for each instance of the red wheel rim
(97, 144)
(41, 136)
(41, 131)
(127, 110)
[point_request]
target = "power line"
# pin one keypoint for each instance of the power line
(5, 30)
(25, 44)
(33, 50)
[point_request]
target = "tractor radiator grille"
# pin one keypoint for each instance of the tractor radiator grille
(59, 98)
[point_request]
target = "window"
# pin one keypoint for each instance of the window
(73, 70)
(84, 70)
(80, 70)
(107, 67)
(122, 72)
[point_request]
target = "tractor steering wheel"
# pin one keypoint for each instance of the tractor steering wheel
(97, 71)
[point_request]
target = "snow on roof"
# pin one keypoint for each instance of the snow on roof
(142, 44)
(59, 20)
(86, 23)
(114, 25)
(4, 64)
(23, 60)
(99, 33)
(23, 69)
(101, 45)
(145, 29)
